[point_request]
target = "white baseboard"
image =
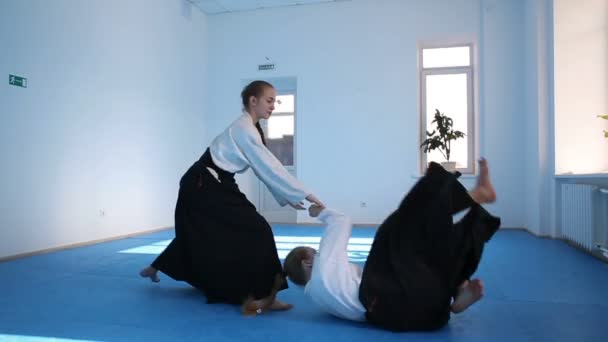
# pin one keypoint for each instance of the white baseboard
(79, 244)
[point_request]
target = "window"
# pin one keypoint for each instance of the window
(446, 77)
(280, 128)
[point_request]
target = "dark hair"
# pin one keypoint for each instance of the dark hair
(255, 89)
(261, 131)
(293, 265)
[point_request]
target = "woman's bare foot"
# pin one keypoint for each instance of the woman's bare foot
(252, 307)
(484, 190)
(150, 272)
(468, 293)
(278, 305)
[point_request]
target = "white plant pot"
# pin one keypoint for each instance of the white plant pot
(449, 166)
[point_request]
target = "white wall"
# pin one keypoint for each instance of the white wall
(356, 69)
(537, 85)
(502, 110)
(581, 80)
(118, 93)
(111, 118)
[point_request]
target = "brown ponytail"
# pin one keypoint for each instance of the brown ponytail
(259, 127)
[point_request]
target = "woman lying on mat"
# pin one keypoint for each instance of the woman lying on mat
(222, 245)
(420, 263)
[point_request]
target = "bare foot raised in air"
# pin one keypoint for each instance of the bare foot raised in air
(150, 272)
(484, 190)
(468, 293)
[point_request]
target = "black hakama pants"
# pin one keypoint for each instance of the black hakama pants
(419, 257)
(222, 245)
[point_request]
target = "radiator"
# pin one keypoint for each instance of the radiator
(584, 216)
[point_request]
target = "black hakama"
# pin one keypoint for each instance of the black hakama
(222, 245)
(419, 257)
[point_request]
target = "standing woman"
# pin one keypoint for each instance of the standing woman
(222, 245)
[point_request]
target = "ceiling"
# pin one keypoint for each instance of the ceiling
(210, 7)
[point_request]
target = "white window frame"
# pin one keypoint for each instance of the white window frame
(264, 123)
(471, 133)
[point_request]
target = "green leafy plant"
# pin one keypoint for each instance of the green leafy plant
(442, 136)
(605, 117)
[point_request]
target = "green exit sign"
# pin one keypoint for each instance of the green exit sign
(17, 81)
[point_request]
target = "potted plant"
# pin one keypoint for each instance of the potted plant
(441, 138)
(605, 117)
